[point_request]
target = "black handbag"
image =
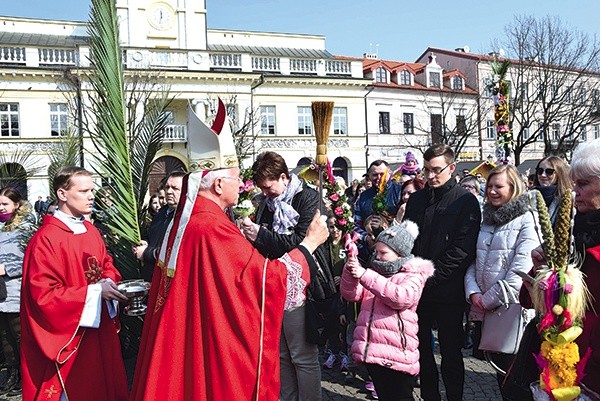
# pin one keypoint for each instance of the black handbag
(318, 316)
(523, 370)
(321, 305)
(3, 292)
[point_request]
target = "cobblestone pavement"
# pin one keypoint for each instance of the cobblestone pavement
(480, 383)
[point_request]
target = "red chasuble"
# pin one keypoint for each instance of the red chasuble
(55, 351)
(202, 333)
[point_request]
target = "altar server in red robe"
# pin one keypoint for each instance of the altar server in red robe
(69, 344)
(216, 305)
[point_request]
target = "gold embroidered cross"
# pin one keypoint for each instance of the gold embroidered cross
(51, 391)
(93, 273)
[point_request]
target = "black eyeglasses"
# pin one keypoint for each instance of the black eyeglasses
(435, 170)
(548, 171)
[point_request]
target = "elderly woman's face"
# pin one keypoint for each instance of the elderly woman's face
(587, 194)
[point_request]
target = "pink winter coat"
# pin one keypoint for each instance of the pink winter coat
(387, 326)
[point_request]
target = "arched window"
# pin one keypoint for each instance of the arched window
(14, 175)
(340, 168)
(162, 167)
(457, 83)
(305, 161)
(405, 77)
(381, 75)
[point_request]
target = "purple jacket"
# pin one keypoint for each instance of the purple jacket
(387, 326)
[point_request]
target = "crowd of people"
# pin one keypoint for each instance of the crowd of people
(257, 305)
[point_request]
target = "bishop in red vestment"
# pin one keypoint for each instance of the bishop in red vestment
(65, 266)
(216, 305)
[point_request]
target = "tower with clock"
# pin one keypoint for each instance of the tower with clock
(167, 24)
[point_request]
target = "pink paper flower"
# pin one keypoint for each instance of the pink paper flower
(334, 197)
(338, 211)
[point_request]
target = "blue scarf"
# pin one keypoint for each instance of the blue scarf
(285, 217)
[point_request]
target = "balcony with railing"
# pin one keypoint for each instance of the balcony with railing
(35, 57)
(12, 55)
(175, 133)
(171, 59)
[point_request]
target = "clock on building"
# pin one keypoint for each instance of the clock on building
(161, 16)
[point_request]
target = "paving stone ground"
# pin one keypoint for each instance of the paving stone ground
(480, 383)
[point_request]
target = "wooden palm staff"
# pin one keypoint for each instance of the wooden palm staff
(322, 113)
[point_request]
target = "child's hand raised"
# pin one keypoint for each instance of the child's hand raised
(354, 267)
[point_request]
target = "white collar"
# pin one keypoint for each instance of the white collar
(74, 223)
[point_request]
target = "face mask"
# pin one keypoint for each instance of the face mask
(388, 268)
(4, 217)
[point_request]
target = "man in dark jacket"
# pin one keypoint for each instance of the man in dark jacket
(448, 218)
(147, 251)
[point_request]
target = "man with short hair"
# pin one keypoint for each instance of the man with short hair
(216, 305)
(448, 218)
(364, 204)
(147, 251)
(69, 343)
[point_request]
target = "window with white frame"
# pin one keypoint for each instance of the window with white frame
(581, 96)
(267, 120)
(523, 91)
(490, 130)
(596, 131)
(9, 119)
(232, 113)
(568, 95)
(461, 125)
(596, 98)
(540, 130)
(409, 123)
(405, 77)
(457, 83)
(554, 91)
(381, 75)
(304, 121)
(434, 79)
(526, 133)
(541, 93)
(384, 122)
(583, 133)
(555, 131)
(487, 92)
(59, 119)
(340, 121)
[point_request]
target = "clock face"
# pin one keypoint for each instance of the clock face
(161, 16)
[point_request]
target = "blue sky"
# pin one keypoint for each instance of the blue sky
(396, 30)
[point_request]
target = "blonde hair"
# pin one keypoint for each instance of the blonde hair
(514, 180)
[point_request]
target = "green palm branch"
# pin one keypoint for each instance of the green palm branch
(126, 146)
(146, 139)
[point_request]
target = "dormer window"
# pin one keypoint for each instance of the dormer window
(405, 77)
(381, 75)
(457, 83)
(434, 80)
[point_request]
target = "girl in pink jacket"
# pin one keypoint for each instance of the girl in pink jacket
(385, 338)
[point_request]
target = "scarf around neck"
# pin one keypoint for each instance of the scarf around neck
(284, 215)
